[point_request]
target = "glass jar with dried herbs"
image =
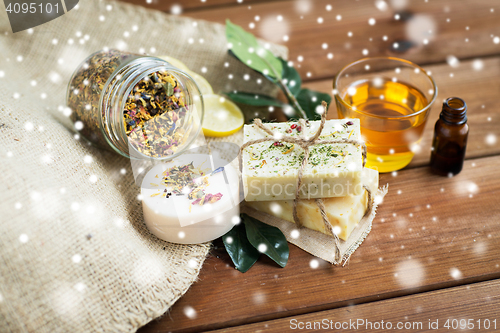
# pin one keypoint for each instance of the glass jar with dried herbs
(139, 106)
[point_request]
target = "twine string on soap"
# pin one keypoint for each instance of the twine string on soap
(305, 143)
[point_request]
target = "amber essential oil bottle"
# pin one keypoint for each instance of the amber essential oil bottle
(450, 138)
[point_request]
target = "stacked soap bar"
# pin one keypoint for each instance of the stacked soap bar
(334, 173)
(270, 168)
(344, 213)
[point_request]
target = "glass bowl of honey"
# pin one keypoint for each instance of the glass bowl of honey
(392, 98)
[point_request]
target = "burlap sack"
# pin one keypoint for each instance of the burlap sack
(75, 255)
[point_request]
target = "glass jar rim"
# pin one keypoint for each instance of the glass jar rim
(400, 60)
(126, 92)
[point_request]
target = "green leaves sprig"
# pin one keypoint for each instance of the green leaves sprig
(245, 47)
(242, 253)
(254, 99)
(310, 100)
(247, 240)
(251, 238)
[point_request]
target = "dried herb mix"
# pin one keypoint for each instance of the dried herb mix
(85, 90)
(190, 181)
(153, 113)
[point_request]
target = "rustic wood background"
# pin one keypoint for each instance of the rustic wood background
(433, 252)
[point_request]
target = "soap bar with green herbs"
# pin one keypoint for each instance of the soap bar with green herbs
(270, 168)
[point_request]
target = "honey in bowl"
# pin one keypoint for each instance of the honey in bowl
(389, 133)
(392, 105)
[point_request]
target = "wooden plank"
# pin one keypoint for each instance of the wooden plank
(470, 307)
(479, 89)
(431, 232)
(306, 35)
(189, 5)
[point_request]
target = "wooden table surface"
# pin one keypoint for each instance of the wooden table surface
(433, 253)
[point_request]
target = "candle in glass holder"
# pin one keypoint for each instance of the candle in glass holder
(189, 201)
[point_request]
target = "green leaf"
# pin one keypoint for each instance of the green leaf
(242, 253)
(309, 101)
(245, 47)
(293, 80)
(169, 88)
(268, 237)
(253, 99)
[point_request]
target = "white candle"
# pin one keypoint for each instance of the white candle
(176, 219)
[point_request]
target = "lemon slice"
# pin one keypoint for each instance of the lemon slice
(175, 62)
(222, 117)
(202, 83)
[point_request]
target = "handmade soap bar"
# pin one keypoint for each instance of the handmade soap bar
(344, 213)
(189, 200)
(270, 168)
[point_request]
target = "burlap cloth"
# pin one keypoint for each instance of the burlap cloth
(75, 255)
